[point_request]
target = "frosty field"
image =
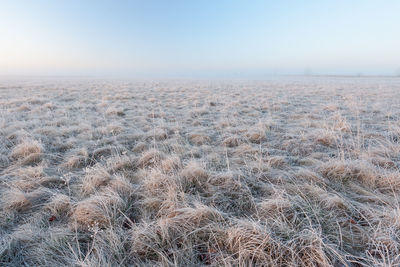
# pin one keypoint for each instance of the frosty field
(286, 172)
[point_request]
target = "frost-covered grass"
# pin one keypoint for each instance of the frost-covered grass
(286, 172)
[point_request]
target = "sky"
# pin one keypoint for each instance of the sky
(199, 38)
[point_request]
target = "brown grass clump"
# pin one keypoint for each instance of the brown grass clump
(198, 216)
(158, 134)
(94, 178)
(340, 124)
(160, 198)
(29, 151)
(389, 182)
(230, 195)
(60, 205)
(333, 201)
(49, 105)
(121, 185)
(326, 138)
(349, 171)
(75, 162)
(171, 164)
(275, 206)
(17, 200)
(331, 107)
(252, 244)
(23, 108)
(277, 161)
(256, 136)
(30, 177)
(140, 147)
(156, 183)
(121, 165)
(246, 150)
(90, 212)
(199, 139)
(101, 152)
(150, 158)
(309, 176)
(189, 227)
(30, 172)
(31, 159)
(312, 251)
(114, 129)
(383, 162)
(194, 175)
(232, 141)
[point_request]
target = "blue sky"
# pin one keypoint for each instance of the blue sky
(199, 38)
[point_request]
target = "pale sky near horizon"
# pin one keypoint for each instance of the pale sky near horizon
(199, 38)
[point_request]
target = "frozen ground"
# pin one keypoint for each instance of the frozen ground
(290, 172)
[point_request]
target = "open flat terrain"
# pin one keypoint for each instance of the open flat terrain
(286, 172)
